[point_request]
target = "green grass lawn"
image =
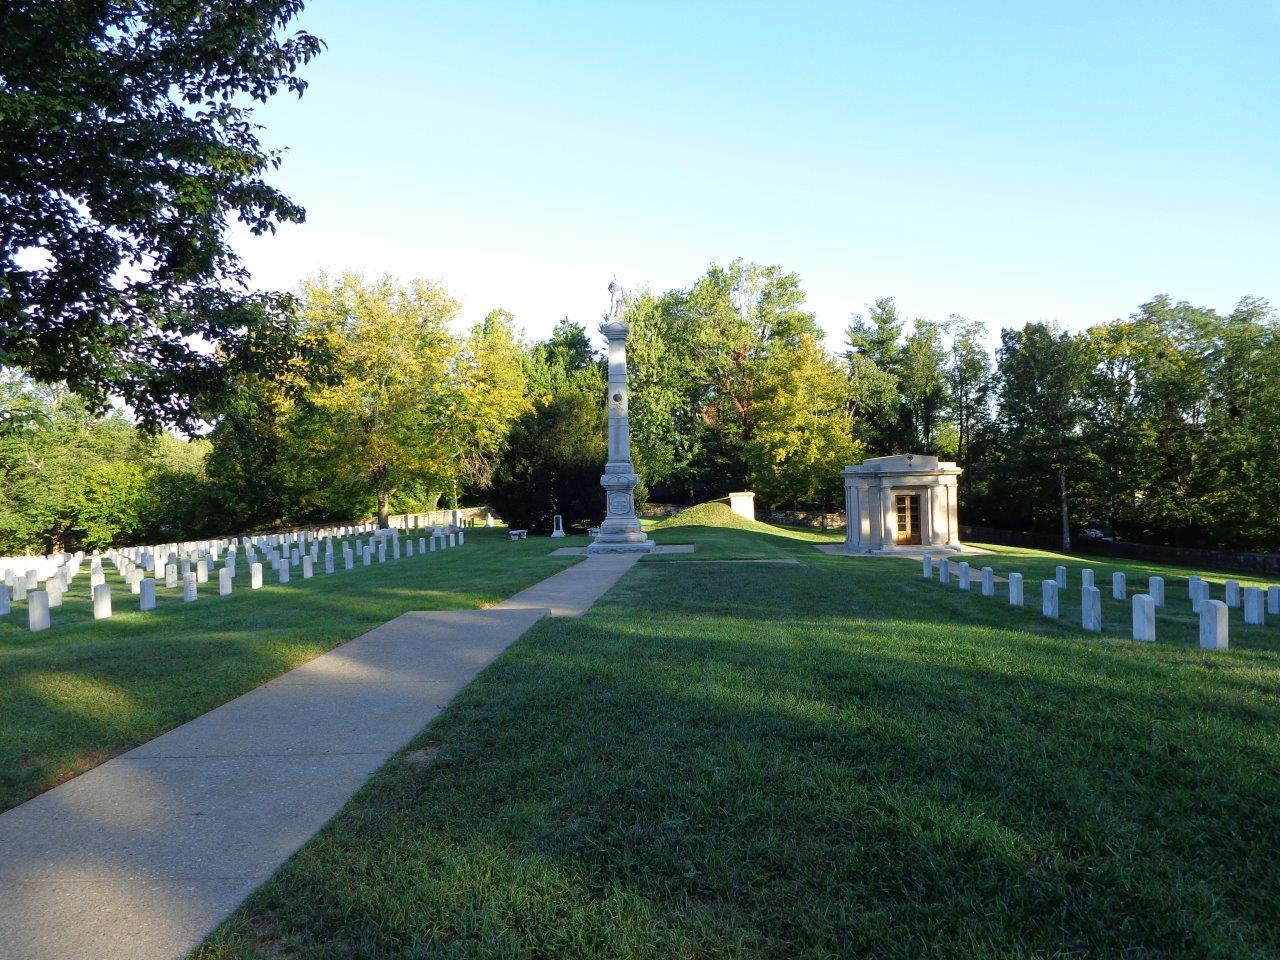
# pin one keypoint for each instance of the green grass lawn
(85, 690)
(837, 759)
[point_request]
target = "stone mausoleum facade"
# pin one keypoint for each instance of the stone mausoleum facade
(901, 504)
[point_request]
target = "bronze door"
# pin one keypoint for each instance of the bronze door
(908, 505)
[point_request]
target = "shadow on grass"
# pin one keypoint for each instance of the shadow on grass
(796, 762)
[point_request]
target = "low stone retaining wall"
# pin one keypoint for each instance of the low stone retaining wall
(1263, 564)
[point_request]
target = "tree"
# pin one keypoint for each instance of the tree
(495, 391)
(126, 147)
(968, 372)
(872, 355)
(804, 429)
(394, 409)
(553, 461)
(922, 389)
(551, 364)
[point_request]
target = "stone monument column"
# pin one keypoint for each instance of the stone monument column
(620, 532)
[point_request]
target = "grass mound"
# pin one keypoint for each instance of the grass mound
(713, 514)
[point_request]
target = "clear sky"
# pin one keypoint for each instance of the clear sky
(1006, 161)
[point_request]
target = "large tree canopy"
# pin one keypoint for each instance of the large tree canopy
(126, 148)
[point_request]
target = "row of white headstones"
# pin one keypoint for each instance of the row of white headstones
(1214, 614)
(44, 581)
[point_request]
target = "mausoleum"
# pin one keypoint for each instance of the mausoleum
(901, 503)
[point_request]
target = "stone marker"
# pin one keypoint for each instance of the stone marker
(422, 544)
(557, 526)
(1273, 600)
(55, 589)
(453, 540)
(988, 582)
(944, 570)
(202, 570)
(1015, 589)
(1049, 598)
(926, 566)
(1232, 589)
(433, 543)
(1144, 617)
(170, 574)
(189, 588)
(4, 599)
(1254, 606)
(224, 582)
(1086, 577)
(37, 610)
(462, 537)
(348, 561)
(1155, 590)
(1191, 586)
(1199, 594)
(147, 594)
(1119, 586)
(308, 569)
(1091, 609)
(367, 557)
(964, 575)
(255, 576)
(328, 563)
(1213, 624)
(1060, 577)
(101, 602)
(284, 573)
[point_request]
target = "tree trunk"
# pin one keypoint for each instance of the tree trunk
(384, 497)
(1062, 499)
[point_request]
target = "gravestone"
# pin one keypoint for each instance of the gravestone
(462, 537)
(307, 569)
(988, 582)
(284, 573)
(1091, 609)
(1254, 606)
(4, 599)
(328, 563)
(202, 570)
(101, 602)
(964, 575)
(926, 566)
(422, 544)
(1155, 590)
(557, 526)
(55, 589)
(224, 582)
(1015, 589)
(1213, 624)
(1144, 617)
(1086, 577)
(255, 576)
(1049, 598)
(37, 610)
(944, 570)
(348, 561)
(1060, 577)
(147, 594)
(1273, 600)
(1119, 586)
(190, 592)
(1232, 591)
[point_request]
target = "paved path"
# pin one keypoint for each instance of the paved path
(141, 857)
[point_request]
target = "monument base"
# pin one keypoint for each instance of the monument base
(640, 546)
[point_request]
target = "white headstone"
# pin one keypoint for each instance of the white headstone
(1254, 606)
(422, 544)
(55, 589)
(255, 576)
(462, 537)
(1232, 590)
(926, 566)
(1155, 590)
(4, 599)
(170, 574)
(988, 582)
(1060, 577)
(328, 563)
(1213, 624)
(101, 602)
(307, 568)
(964, 575)
(1273, 600)
(284, 573)
(433, 543)
(1049, 598)
(1191, 587)
(408, 547)
(348, 561)
(202, 570)
(147, 594)
(557, 526)
(488, 520)
(1119, 586)
(1091, 609)
(1144, 617)
(189, 588)
(37, 610)
(367, 556)
(1015, 589)
(224, 582)
(1199, 594)
(452, 540)
(1086, 577)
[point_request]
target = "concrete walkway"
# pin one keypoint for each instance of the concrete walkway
(141, 857)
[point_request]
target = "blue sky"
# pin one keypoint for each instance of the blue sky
(1005, 161)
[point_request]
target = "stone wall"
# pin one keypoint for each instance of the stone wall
(1233, 560)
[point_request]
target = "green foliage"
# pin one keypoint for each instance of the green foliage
(553, 461)
(128, 146)
(712, 514)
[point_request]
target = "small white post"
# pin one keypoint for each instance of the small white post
(1119, 586)
(1015, 589)
(988, 582)
(1213, 624)
(1144, 617)
(926, 566)
(944, 570)
(964, 575)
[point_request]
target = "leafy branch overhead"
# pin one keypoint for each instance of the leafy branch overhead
(127, 148)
